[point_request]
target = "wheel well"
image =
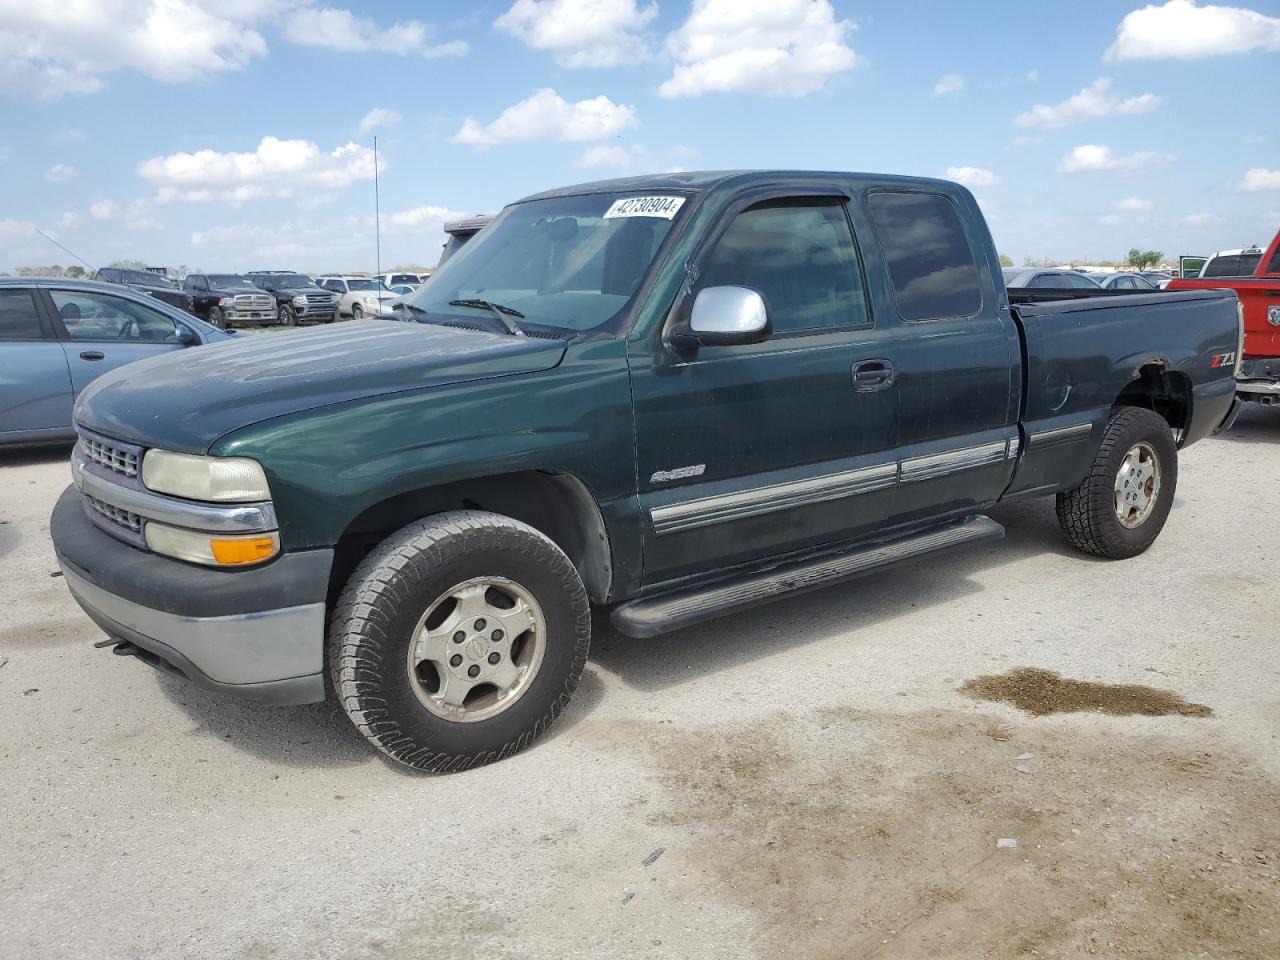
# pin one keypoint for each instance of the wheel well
(557, 505)
(1166, 392)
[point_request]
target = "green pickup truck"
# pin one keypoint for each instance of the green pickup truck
(674, 397)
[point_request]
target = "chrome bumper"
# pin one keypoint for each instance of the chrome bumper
(273, 655)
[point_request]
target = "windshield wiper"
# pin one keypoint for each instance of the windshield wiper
(503, 313)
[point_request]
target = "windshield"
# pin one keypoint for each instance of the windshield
(229, 280)
(567, 262)
(291, 282)
(360, 284)
(145, 277)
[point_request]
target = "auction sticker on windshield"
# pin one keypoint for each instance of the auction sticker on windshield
(664, 207)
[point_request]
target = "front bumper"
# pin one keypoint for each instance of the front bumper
(256, 633)
(251, 316)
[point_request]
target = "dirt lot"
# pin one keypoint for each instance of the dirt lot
(826, 777)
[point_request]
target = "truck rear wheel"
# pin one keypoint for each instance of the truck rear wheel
(459, 640)
(1120, 508)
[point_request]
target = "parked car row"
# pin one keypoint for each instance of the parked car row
(1044, 278)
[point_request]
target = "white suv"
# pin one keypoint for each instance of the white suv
(360, 297)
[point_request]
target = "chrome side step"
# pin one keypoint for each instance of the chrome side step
(650, 616)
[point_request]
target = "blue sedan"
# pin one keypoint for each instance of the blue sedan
(58, 335)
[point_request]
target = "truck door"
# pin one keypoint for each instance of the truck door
(747, 451)
(956, 353)
(35, 388)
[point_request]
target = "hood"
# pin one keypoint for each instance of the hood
(187, 399)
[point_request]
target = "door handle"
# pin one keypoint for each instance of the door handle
(872, 374)
(92, 355)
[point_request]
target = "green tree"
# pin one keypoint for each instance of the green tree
(74, 272)
(1005, 261)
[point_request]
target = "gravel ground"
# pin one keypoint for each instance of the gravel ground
(809, 776)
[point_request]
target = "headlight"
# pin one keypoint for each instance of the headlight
(211, 549)
(217, 479)
(299, 301)
(226, 301)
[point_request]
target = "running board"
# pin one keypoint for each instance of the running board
(650, 616)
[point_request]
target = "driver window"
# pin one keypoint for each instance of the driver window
(799, 255)
(96, 316)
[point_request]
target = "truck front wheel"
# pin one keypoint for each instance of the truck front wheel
(1119, 509)
(217, 319)
(459, 640)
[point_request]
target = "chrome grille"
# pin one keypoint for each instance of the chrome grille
(254, 301)
(119, 459)
(320, 298)
(121, 518)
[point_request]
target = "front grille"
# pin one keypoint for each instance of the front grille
(117, 458)
(254, 301)
(121, 518)
(320, 298)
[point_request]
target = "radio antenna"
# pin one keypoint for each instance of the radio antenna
(63, 249)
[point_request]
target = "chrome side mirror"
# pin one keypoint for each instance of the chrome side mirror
(724, 316)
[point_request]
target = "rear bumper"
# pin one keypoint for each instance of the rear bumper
(1259, 391)
(255, 633)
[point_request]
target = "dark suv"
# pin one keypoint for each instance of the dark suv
(228, 299)
(144, 281)
(297, 296)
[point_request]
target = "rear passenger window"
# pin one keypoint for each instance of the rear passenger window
(18, 320)
(933, 270)
(800, 255)
(1222, 267)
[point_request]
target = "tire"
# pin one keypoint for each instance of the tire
(1090, 515)
(381, 621)
(287, 316)
(217, 319)
(357, 312)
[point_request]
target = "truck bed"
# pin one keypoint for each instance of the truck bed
(1081, 351)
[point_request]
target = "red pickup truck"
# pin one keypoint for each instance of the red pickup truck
(1256, 281)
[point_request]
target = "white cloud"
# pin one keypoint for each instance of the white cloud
(779, 48)
(948, 83)
(1181, 30)
(103, 210)
(548, 116)
(1200, 219)
(609, 155)
(1092, 156)
(582, 33)
(1111, 219)
(11, 229)
(277, 168)
(1260, 178)
(972, 176)
(378, 117)
(53, 49)
(1092, 102)
(68, 135)
(59, 172)
(336, 29)
(1135, 203)
(68, 219)
(425, 218)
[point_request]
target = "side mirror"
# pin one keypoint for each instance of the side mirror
(724, 316)
(185, 335)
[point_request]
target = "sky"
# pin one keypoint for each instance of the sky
(238, 134)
